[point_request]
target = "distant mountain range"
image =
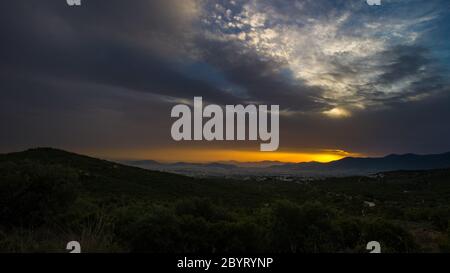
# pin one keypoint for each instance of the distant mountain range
(343, 167)
(387, 163)
(150, 163)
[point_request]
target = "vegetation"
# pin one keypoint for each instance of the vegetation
(49, 197)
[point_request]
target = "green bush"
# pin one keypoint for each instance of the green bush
(33, 195)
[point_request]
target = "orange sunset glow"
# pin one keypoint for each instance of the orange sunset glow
(215, 155)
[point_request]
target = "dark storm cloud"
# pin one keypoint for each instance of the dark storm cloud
(75, 116)
(61, 69)
(403, 62)
(104, 44)
(265, 80)
(412, 64)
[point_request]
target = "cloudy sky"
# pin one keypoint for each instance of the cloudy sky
(101, 79)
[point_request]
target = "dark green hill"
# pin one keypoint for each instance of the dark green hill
(105, 179)
(94, 175)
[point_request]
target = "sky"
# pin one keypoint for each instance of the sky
(101, 79)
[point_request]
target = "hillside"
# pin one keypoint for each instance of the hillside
(103, 178)
(49, 197)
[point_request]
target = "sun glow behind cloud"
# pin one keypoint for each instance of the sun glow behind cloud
(337, 113)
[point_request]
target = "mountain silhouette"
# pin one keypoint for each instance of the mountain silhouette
(365, 165)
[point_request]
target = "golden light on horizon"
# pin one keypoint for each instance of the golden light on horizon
(215, 155)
